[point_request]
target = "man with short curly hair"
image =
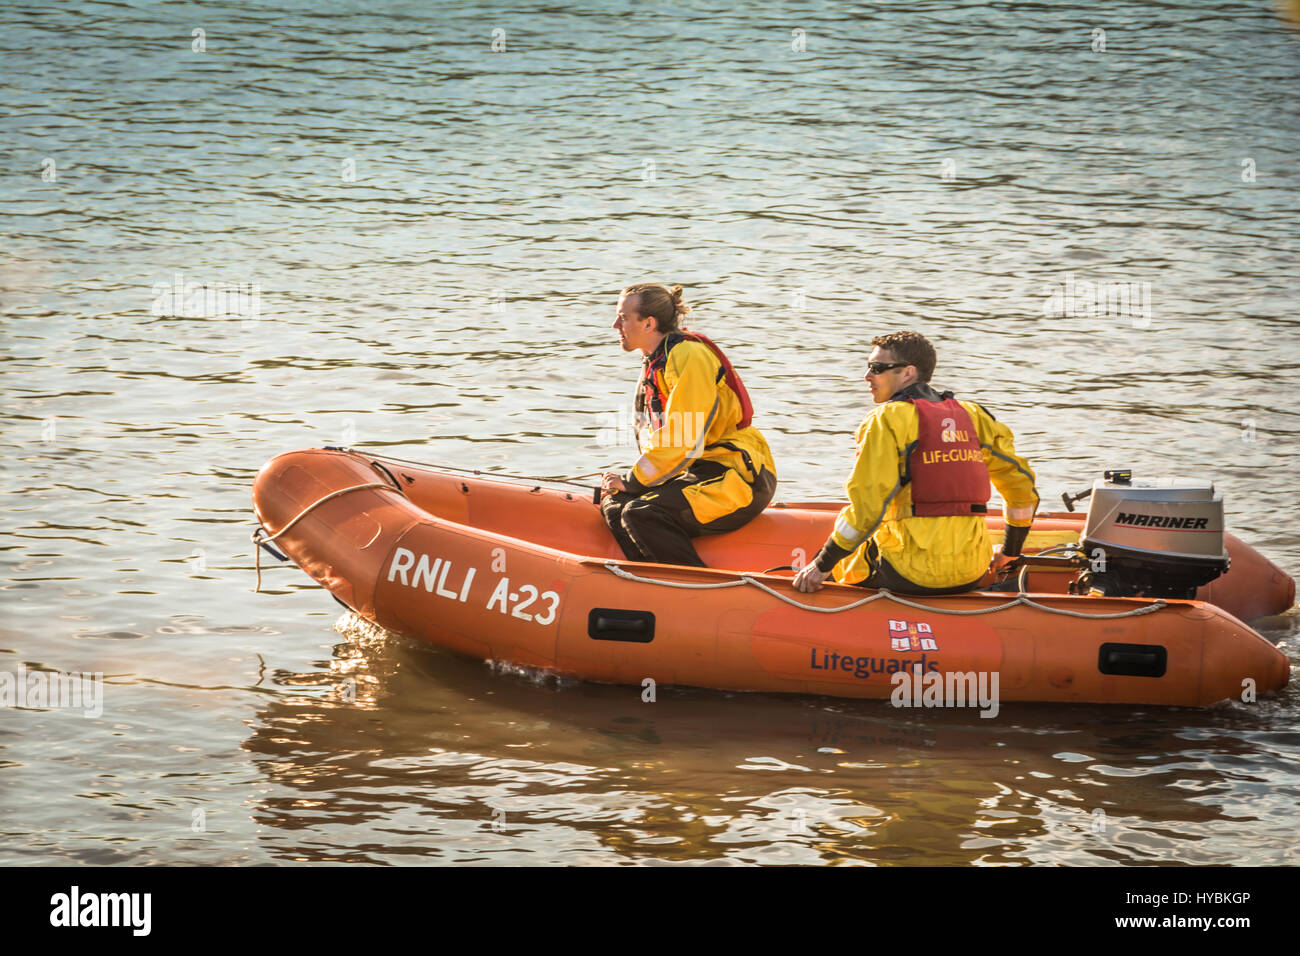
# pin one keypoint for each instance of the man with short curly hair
(919, 489)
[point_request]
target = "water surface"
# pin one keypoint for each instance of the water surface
(437, 233)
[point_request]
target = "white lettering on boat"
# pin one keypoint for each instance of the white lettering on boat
(432, 573)
(500, 594)
(519, 608)
(422, 570)
(503, 596)
(442, 591)
(402, 561)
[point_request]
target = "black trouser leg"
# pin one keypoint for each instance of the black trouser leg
(611, 509)
(660, 524)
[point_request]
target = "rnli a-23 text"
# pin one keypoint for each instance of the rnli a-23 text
(433, 574)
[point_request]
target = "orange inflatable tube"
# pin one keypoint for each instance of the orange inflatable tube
(530, 575)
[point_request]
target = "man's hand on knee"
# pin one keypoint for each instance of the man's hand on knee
(611, 483)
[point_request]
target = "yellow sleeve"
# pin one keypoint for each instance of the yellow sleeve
(1010, 473)
(690, 376)
(872, 485)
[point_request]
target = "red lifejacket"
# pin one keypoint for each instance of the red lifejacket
(946, 465)
(655, 402)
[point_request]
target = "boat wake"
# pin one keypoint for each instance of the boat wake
(537, 676)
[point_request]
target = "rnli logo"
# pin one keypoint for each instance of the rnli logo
(951, 433)
(906, 636)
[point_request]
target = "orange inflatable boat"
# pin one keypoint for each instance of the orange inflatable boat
(521, 573)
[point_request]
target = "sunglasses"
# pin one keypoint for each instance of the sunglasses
(879, 368)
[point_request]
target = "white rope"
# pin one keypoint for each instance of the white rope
(1022, 598)
(675, 584)
(260, 538)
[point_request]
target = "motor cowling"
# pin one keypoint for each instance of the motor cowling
(1154, 537)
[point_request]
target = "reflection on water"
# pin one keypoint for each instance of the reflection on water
(424, 238)
(454, 761)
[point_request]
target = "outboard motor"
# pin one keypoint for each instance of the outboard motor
(1155, 537)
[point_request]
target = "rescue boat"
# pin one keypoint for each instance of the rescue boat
(522, 573)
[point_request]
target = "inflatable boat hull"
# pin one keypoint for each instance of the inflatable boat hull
(429, 555)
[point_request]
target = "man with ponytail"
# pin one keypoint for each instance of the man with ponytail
(704, 469)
